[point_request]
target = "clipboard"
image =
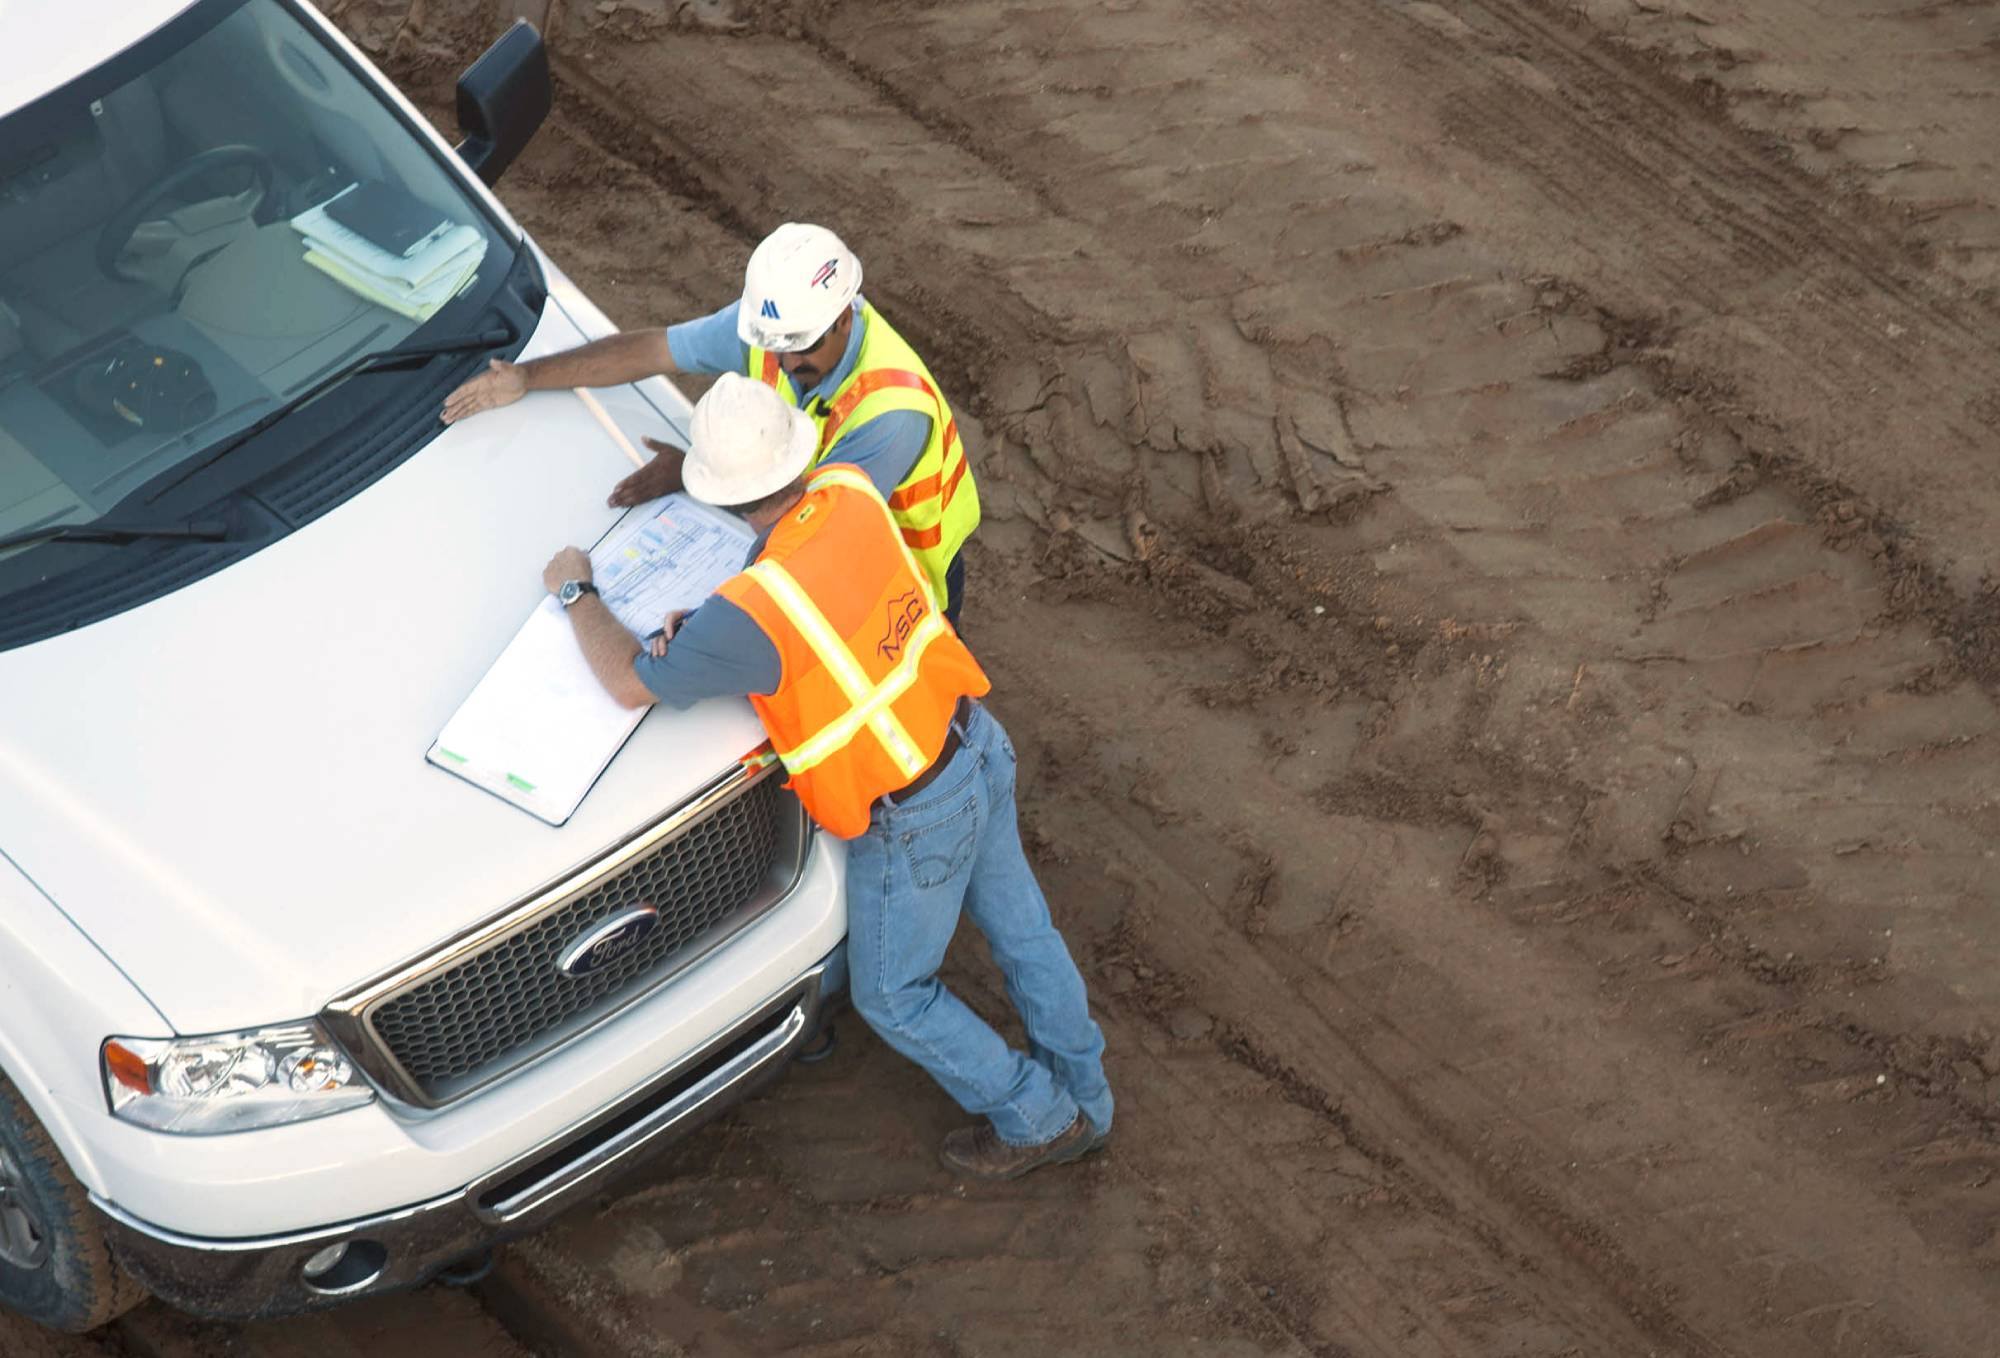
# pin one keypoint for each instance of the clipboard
(538, 730)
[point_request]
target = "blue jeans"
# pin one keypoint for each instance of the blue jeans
(953, 846)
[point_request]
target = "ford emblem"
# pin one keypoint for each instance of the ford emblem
(607, 941)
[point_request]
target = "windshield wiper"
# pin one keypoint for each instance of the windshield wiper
(206, 530)
(380, 361)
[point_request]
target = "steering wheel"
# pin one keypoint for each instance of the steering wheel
(117, 233)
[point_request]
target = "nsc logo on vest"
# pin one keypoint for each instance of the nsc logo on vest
(905, 612)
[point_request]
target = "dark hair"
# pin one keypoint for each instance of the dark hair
(749, 507)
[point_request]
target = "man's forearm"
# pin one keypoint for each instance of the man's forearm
(608, 362)
(609, 649)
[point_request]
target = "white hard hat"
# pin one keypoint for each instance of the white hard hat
(799, 280)
(748, 441)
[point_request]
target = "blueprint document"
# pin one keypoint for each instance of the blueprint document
(670, 554)
(539, 729)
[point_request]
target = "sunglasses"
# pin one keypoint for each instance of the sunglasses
(798, 342)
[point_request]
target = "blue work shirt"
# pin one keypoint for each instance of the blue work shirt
(718, 653)
(885, 448)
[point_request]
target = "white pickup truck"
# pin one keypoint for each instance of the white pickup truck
(286, 1014)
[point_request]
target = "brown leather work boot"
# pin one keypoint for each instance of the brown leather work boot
(979, 1153)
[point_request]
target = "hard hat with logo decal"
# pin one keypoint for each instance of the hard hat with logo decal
(799, 280)
(748, 442)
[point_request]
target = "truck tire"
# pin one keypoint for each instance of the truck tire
(54, 1264)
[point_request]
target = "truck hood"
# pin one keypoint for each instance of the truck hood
(226, 787)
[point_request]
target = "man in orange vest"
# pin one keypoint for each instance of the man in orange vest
(871, 703)
(803, 328)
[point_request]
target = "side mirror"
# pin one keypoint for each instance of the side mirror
(502, 99)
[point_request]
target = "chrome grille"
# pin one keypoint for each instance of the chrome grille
(449, 1028)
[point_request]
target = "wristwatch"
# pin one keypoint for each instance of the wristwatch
(572, 590)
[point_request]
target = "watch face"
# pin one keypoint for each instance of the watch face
(571, 591)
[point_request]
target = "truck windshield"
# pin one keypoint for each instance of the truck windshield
(195, 235)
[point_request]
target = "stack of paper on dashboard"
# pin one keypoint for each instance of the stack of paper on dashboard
(539, 729)
(414, 284)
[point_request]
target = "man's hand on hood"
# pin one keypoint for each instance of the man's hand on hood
(661, 476)
(502, 384)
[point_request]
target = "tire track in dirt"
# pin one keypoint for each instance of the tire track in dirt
(1893, 100)
(1773, 228)
(1418, 1047)
(1830, 265)
(1743, 191)
(1810, 245)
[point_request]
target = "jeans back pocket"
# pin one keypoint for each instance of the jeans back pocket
(940, 850)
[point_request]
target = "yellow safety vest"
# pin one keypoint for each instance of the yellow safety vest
(937, 504)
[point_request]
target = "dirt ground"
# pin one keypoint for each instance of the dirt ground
(1488, 561)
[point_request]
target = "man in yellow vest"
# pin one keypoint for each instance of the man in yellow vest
(871, 703)
(802, 328)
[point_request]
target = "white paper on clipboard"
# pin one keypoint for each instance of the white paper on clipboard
(538, 729)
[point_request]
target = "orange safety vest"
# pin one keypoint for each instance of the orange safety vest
(937, 505)
(870, 670)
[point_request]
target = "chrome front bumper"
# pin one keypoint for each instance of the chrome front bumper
(262, 1278)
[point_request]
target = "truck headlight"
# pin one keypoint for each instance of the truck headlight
(230, 1082)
